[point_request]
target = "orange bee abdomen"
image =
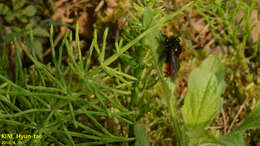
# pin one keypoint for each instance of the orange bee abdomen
(166, 69)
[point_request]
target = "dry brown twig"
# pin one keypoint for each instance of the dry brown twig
(224, 120)
(237, 115)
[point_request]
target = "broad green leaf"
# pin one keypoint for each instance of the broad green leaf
(23, 19)
(17, 29)
(40, 32)
(252, 121)
(38, 49)
(29, 11)
(4, 9)
(150, 40)
(18, 4)
(10, 17)
(199, 136)
(148, 17)
(213, 64)
(140, 134)
(138, 9)
(10, 37)
(204, 89)
(201, 101)
(149, 20)
(232, 139)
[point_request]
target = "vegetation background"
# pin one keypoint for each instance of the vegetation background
(229, 29)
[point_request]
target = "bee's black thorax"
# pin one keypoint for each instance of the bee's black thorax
(172, 51)
(173, 44)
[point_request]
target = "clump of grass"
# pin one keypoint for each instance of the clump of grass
(232, 24)
(63, 104)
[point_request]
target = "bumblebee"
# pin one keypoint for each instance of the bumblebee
(171, 52)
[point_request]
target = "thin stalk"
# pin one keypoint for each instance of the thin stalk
(174, 118)
(168, 88)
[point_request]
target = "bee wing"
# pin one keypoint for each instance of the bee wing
(174, 66)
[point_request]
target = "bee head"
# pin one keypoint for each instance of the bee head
(173, 44)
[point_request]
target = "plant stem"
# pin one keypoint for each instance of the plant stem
(175, 120)
(168, 88)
